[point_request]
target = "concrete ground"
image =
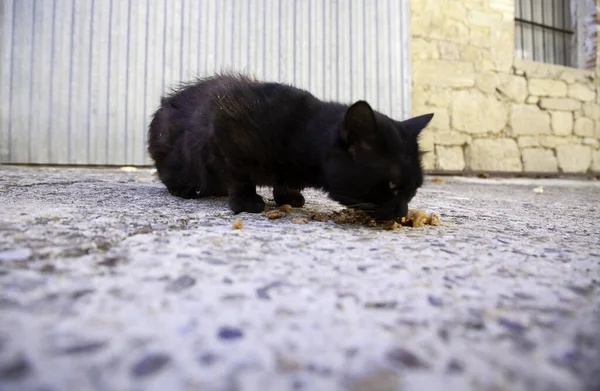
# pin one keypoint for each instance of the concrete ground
(109, 283)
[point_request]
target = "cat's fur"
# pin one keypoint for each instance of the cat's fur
(225, 135)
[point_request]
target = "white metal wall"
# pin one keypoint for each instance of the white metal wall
(79, 78)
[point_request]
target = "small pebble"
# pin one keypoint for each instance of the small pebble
(405, 358)
(149, 364)
(512, 325)
(180, 283)
(230, 333)
(16, 255)
(382, 305)
(207, 358)
(435, 301)
(455, 366)
(83, 347)
(15, 369)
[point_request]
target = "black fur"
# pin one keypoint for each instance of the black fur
(227, 134)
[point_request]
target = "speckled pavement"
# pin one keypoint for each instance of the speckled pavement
(109, 283)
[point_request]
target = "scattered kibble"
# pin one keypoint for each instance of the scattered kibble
(300, 220)
(274, 214)
(415, 218)
(390, 225)
(286, 208)
(434, 219)
(237, 224)
(319, 217)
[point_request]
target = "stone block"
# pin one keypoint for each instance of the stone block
(596, 161)
(572, 75)
(529, 119)
(539, 160)
(494, 155)
(512, 86)
(584, 127)
(532, 100)
(562, 122)
(475, 112)
(450, 158)
(592, 142)
(538, 70)
(487, 81)
(547, 87)
(480, 36)
(428, 161)
(563, 104)
(456, 10)
(581, 92)
(422, 49)
(449, 50)
(481, 58)
(591, 110)
(451, 138)
(528, 141)
(549, 141)
(441, 73)
(574, 158)
(426, 140)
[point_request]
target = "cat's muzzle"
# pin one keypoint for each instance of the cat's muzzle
(390, 211)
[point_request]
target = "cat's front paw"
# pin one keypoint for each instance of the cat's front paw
(292, 198)
(250, 204)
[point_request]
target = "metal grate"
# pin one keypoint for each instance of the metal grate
(544, 31)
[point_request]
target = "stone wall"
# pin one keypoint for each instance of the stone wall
(494, 112)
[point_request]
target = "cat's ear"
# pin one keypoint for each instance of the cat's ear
(416, 124)
(359, 124)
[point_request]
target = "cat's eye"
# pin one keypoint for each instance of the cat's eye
(392, 185)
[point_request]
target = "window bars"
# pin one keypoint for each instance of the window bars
(544, 31)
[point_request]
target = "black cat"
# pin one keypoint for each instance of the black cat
(225, 135)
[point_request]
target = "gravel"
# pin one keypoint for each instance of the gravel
(109, 283)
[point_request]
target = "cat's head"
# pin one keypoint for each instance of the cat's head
(376, 162)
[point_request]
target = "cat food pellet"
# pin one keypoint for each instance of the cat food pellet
(434, 219)
(418, 218)
(438, 180)
(370, 222)
(274, 214)
(415, 218)
(286, 208)
(348, 216)
(237, 224)
(390, 225)
(300, 220)
(319, 217)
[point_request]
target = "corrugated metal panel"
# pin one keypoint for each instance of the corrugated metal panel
(79, 78)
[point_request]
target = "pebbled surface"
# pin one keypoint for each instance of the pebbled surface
(109, 283)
